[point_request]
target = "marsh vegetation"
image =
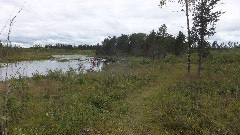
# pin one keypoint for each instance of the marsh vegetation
(134, 95)
(145, 87)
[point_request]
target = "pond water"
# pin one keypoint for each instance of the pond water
(79, 63)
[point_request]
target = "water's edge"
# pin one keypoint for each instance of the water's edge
(64, 63)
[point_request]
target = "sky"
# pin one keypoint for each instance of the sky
(90, 21)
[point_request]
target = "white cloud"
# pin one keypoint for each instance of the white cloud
(89, 21)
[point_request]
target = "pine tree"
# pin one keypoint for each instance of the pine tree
(179, 46)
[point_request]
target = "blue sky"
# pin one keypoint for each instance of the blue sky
(90, 21)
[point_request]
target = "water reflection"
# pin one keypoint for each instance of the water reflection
(29, 68)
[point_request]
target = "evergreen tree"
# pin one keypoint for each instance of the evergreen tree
(136, 44)
(121, 45)
(165, 42)
(179, 47)
(109, 45)
(214, 44)
(150, 46)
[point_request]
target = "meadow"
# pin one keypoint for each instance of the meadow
(12, 55)
(133, 95)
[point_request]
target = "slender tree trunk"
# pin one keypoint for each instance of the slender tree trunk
(238, 89)
(6, 113)
(6, 105)
(189, 43)
(201, 45)
(1, 124)
(200, 57)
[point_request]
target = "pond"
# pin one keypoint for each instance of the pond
(78, 63)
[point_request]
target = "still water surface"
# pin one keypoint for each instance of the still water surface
(78, 63)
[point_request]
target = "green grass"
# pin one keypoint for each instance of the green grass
(42, 54)
(133, 96)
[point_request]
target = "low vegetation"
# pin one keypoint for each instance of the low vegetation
(10, 54)
(134, 95)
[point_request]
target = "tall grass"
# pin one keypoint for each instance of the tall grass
(135, 95)
(69, 103)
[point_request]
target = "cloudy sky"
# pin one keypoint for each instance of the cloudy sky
(90, 21)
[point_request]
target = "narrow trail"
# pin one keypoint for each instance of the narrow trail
(141, 103)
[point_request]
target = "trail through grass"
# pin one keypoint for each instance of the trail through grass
(132, 96)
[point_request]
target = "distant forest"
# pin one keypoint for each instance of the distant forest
(71, 47)
(156, 44)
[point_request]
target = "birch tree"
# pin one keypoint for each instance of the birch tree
(188, 4)
(204, 24)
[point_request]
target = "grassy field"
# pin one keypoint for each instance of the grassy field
(26, 54)
(133, 96)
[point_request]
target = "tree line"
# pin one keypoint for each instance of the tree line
(156, 44)
(71, 47)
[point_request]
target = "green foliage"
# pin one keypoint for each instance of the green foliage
(136, 95)
(155, 45)
(165, 42)
(227, 56)
(199, 108)
(121, 46)
(151, 42)
(69, 103)
(204, 24)
(13, 54)
(180, 47)
(136, 44)
(205, 18)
